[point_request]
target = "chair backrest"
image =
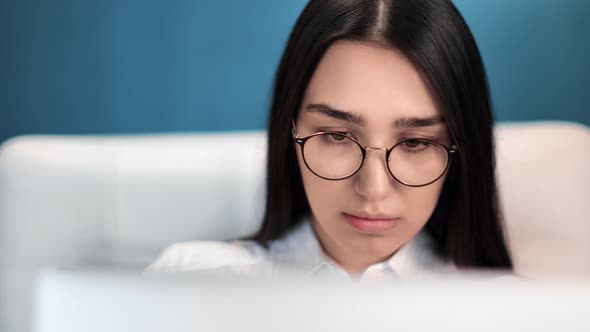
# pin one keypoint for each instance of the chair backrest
(543, 171)
(121, 199)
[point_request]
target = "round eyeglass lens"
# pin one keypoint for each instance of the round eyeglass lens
(417, 162)
(332, 155)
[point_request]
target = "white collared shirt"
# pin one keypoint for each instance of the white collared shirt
(299, 253)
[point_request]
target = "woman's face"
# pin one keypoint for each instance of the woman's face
(371, 93)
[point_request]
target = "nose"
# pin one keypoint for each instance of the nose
(373, 180)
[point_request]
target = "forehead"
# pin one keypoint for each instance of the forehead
(378, 83)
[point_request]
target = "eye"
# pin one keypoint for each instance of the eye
(340, 138)
(415, 144)
(336, 137)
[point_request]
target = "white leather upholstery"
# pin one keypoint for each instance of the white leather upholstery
(112, 200)
(544, 178)
(121, 199)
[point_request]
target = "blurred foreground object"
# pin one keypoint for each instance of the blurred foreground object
(74, 301)
(119, 200)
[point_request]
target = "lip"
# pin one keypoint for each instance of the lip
(372, 224)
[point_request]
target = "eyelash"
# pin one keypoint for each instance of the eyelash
(352, 135)
(417, 149)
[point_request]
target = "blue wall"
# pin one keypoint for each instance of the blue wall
(120, 66)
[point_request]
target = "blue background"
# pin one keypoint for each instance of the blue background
(132, 66)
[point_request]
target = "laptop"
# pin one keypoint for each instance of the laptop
(92, 301)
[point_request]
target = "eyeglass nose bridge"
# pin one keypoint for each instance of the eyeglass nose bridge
(367, 148)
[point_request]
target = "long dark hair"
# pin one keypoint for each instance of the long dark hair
(433, 35)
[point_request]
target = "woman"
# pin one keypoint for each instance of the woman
(381, 151)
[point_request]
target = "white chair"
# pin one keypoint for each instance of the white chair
(119, 200)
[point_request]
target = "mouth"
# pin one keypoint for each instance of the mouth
(371, 224)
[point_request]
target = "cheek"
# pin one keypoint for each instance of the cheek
(325, 197)
(420, 202)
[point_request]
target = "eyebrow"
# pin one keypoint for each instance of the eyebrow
(405, 122)
(336, 114)
(415, 122)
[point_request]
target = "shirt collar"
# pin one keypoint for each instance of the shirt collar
(300, 250)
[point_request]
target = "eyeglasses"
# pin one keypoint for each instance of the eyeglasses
(412, 162)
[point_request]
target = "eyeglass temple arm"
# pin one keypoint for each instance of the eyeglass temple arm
(294, 129)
